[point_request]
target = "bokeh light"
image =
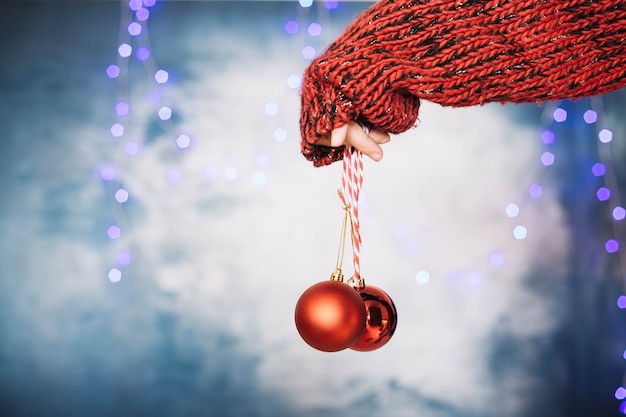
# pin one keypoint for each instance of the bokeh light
(121, 196)
(280, 134)
(115, 275)
(117, 130)
(183, 141)
(161, 76)
(512, 210)
(496, 258)
(291, 27)
(308, 52)
(547, 158)
(611, 246)
(294, 81)
(621, 303)
(135, 4)
(122, 108)
(114, 232)
(520, 232)
(143, 54)
(107, 173)
(331, 4)
(124, 258)
(134, 29)
(605, 136)
(422, 277)
(590, 117)
(142, 14)
(598, 169)
(603, 193)
(164, 113)
(305, 3)
(231, 173)
(125, 50)
(535, 190)
(559, 115)
(620, 393)
(619, 213)
(131, 148)
(547, 137)
(314, 29)
(113, 71)
(271, 109)
(259, 178)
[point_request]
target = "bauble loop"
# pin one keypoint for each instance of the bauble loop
(330, 316)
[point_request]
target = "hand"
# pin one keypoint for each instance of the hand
(353, 134)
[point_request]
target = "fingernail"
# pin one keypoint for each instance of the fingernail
(376, 156)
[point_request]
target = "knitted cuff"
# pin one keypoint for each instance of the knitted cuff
(362, 87)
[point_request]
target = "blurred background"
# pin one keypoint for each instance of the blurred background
(158, 225)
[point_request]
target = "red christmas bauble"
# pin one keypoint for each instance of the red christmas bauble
(330, 316)
(381, 319)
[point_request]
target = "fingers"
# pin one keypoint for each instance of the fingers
(353, 134)
(359, 139)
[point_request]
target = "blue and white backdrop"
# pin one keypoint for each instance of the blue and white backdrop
(158, 224)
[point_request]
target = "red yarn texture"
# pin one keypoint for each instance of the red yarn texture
(459, 53)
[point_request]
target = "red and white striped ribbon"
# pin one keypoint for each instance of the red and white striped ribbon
(351, 181)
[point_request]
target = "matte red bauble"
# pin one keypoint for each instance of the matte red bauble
(330, 316)
(380, 322)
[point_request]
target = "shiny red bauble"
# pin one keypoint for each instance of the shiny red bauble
(381, 319)
(330, 316)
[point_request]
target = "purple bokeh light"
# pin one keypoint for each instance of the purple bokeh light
(149, 3)
(331, 4)
(122, 108)
(121, 196)
(559, 115)
(547, 137)
(161, 76)
(620, 393)
(124, 258)
(590, 117)
(117, 130)
(547, 158)
(535, 190)
(496, 258)
(603, 193)
(134, 29)
(113, 71)
(165, 113)
(308, 52)
(143, 54)
(183, 141)
(107, 173)
(605, 136)
(135, 4)
(621, 303)
(598, 169)
(125, 50)
(291, 27)
(611, 246)
(114, 232)
(131, 148)
(619, 213)
(314, 29)
(142, 14)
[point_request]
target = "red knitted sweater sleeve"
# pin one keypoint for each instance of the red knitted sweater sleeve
(459, 53)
